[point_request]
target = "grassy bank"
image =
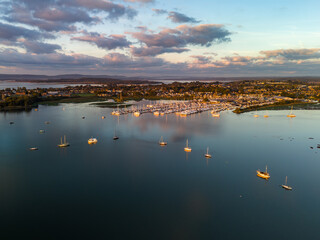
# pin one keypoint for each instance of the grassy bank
(283, 105)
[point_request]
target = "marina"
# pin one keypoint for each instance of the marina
(180, 108)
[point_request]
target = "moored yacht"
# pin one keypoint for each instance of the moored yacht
(291, 115)
(92, 140)
(136, 114)
(161, 142)
(64, 143)
(207, 155)
(264, 175)
(285, 186)
(187, 148)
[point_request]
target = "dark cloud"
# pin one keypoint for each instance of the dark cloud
(10, 57)
(114, 11)
(83, 63)
(61, 15)
(159, 11)
(200, 59)
(12, 33)
(116, 63)
(177, 17)
(101, 41)
(293, 54)
(118, 60)
(40, 47)
(183, 35)
(154, 51)
(66, 15)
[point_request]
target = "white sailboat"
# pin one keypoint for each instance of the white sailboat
(187, 148)
(161, 142)
(285, 186)
(207, 155)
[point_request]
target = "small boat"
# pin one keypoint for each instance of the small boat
(156, 113)
(187, 148)
(285, 186)
(264, 175)
(266, 115)
(11, 123)
(47, 122)
(207, 155)
(64, 143)
(115, 137)
(214, 113)
(36, 109)
(256, 115)
(161, 142)
(136, 114)
(103, 117)
(161, 113)
(33, 148)
(41, 131)
(92, 140)
(291, 115)
(83, 117)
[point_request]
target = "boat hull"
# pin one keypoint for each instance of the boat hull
(263, 175)
(187, 149)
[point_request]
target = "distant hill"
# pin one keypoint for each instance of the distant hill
(79, 78)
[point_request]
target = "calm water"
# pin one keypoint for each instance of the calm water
(134, 189)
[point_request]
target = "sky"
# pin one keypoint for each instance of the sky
(179, 38)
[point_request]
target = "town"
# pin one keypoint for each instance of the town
(239, 96)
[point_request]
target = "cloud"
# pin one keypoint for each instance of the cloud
(101, 41)
(12, 33)
(159, 11)
(40, 47)
(293, 54)
(10, 57)
(140, 1)
(114, 11)
(183, 35)
(177, 17)
(62, 15)
(154, 51)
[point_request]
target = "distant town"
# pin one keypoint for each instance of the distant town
(245, 95)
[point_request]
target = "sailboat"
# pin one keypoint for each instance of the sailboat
(291, 115)
(64, 143)
(264, 175)
(256, 115)
(285, 186)
(161, 142)
(115, 137)
(266, 115)
(207, 155)
(187, 148)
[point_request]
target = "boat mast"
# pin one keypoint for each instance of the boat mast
(286, 179)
